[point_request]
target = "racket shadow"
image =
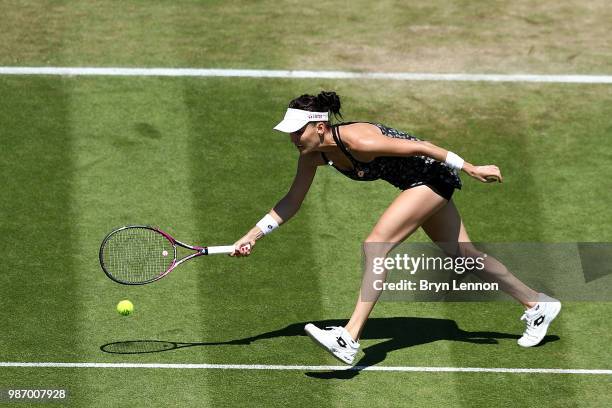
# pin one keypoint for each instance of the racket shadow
(155, 346)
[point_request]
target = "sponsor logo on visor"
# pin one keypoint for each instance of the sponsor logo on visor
(317, 116)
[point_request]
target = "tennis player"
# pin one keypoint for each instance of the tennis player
(427, 176)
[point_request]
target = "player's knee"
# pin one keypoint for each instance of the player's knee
(460, 250)
(468, 250)
(381, 235)
(374, 237)
(375, 246)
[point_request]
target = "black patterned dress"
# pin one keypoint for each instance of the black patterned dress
(402, 172)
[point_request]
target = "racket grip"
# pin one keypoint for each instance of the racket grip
(224, 249)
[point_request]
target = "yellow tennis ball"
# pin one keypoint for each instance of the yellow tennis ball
(125, 307)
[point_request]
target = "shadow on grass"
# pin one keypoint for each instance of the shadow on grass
(398, 333)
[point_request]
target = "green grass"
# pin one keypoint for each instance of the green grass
(388, 35)
(198, 157)
(163, 151)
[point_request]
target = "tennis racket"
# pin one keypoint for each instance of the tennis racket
(140, 254)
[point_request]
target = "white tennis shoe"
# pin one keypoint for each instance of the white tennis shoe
(336, 340)
(538, 318)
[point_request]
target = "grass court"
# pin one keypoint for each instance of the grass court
(198, 157)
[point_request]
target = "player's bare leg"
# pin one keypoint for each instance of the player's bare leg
(405, 214)
(446, 229)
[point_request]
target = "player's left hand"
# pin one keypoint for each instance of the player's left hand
(487, 174)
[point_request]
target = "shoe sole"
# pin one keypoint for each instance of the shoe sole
(546, 325)
(323, 346)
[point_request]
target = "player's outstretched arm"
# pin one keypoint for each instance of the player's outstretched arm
(286, 208)
(379, 145)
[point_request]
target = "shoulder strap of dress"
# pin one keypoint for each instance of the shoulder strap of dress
(340, 143)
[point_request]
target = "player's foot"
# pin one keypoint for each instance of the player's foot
(335, 340)
(538, 318)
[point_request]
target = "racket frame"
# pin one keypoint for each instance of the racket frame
(198, 251)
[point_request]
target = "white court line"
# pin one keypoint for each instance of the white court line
(310, 368)
(252, 73)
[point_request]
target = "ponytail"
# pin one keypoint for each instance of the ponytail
(329, 102)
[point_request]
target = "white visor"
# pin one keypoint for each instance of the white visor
(295, 119)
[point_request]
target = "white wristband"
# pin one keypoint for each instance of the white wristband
(454, 161)
(267, 224)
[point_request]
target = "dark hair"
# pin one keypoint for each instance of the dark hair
(326, 101)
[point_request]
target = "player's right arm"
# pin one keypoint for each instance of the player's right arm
(287, 206)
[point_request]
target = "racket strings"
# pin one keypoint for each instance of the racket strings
(137, 255)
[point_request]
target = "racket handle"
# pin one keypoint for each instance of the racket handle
(224, 249)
